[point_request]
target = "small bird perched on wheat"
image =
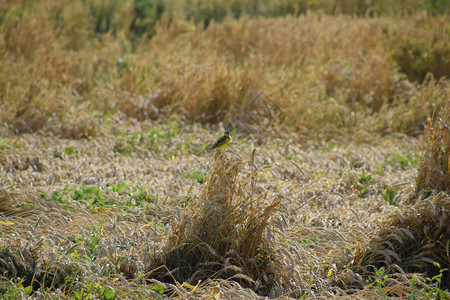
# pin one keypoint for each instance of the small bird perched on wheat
(221, 143)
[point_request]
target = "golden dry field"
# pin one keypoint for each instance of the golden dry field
(336, 183)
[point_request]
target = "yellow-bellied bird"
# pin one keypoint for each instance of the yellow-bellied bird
(221, 143)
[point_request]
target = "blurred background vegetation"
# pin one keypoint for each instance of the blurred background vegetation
(379, 65)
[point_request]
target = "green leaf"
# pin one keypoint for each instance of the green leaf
(110, 294)
(78, 295)
(69, 150)
(89, 287)
(28, 290)
(389, 194)
(158, 288)
(364, 177)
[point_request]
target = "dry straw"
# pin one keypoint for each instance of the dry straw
(416, 239)
(434, 170)
(221, 234)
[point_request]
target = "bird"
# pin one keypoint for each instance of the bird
(221, 143)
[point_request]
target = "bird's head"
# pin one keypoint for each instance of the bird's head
(226, 132)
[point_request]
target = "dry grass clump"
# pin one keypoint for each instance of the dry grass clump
(414, 241)
(417, 239)
(28, 261)
(408, 112)
(434, 171)
(24, 263)
(14, 204)
(51, 250)
(220, 234)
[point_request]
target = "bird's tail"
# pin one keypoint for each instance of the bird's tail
(207, 150)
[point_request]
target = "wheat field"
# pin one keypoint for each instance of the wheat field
(336, 183)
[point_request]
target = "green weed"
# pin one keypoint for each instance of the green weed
(379, 281)
(414, 292)
(198, 175)
(405, 162)
(389, 195)
(293, 157)
(93, 196)
(126, 144)
(364, 183)
(69, 151)
(128, 196)
(174, 130)
(142, 196)
(365, 178)
(95, 291)
(435, 285)
(155, 136)
(10, 185)
(380, 170)
(152, 143)
(58, 197)
(5, 144)
(15, 289)
(88, 246)
(131, 195)
(105, 292)
(120, 188)
(159, 288)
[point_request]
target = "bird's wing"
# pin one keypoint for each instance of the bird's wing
(220, 141)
